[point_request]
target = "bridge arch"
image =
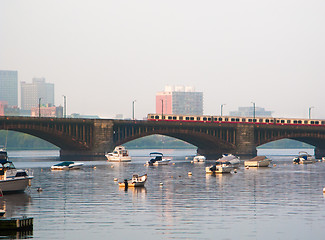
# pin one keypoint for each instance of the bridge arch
(205, 143)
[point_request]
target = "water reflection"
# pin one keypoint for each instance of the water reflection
(282, 202)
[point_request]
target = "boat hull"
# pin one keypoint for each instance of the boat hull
(264, 163)
(15, 185)
(218, 169)
(118, 159)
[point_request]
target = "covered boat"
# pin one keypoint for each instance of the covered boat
(157, 159)
(228, 157)
(120, 154)
(258, 161)
(199, 158)
(135, 181)
(304, 158)
(67, 166)
(221, 166)
(12, 179)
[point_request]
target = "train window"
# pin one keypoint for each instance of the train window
(267, 120)
(198, 118)
(191, 118)
(204, 119)
(237, 119)
(243, 119)
(271, 120)
(277, 121)
(254, 120)
(220, 119)
(187, 118)
(316, 122)
(232, 119)
(180, 118)
(250, 120)
(209, 119)
(300, 122)
(226, 119)
(174, 118)
(156, 117)
(261, 120)
(295, 121)
(312, 122)
(288, 121)
(152, 117)
(323, 122)
(169, 117)
(305, 122)
(282, 121)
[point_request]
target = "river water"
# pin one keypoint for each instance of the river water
(284, 201)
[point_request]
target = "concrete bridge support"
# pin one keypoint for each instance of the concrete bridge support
(319, 153)
(102, 142)
(245, 141)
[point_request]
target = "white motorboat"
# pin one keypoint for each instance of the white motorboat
(135, 181)
(12, 179)
(120, 154)
(157, 159)
(304, 158)
(221, 166)
(67, 166)
(199, 159)
(258, 161)
(228, 157)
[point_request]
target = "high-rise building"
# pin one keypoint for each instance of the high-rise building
(9, 87)
(179, 100)
(32, 94)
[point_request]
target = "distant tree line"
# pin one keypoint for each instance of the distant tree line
(21, 141)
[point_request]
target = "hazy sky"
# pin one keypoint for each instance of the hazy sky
(103, 54)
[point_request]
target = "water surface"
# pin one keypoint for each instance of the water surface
(280, 202)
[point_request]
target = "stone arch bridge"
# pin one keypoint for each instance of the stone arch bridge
(93, 137)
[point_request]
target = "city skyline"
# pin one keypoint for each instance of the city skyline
(104, 55)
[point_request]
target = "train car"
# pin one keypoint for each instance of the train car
(234, 119)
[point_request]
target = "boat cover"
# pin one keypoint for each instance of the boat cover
(64, 164)
(258, 158)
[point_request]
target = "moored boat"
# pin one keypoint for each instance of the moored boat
(67, 165)
(120, 154)
(228, 157)
(304, 158)
(258, 161)
(157, 159)
(12, 179)
(221, 166)
(135, 181)
(199, 158)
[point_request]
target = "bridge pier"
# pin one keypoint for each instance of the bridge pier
(245, 141)
(319, 153)
(102, 142)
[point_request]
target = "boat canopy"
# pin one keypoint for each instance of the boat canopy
(4, 161)
(156, 153)
(64, 163)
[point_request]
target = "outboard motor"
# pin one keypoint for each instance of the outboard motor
(213, 168)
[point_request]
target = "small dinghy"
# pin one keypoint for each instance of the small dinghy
(135, 181)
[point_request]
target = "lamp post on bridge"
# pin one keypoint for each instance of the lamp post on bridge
(133, 108)
(221, 109)
(65, 106)
(309, 112)
(162, 109)
(39, 107)
(253, 109)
